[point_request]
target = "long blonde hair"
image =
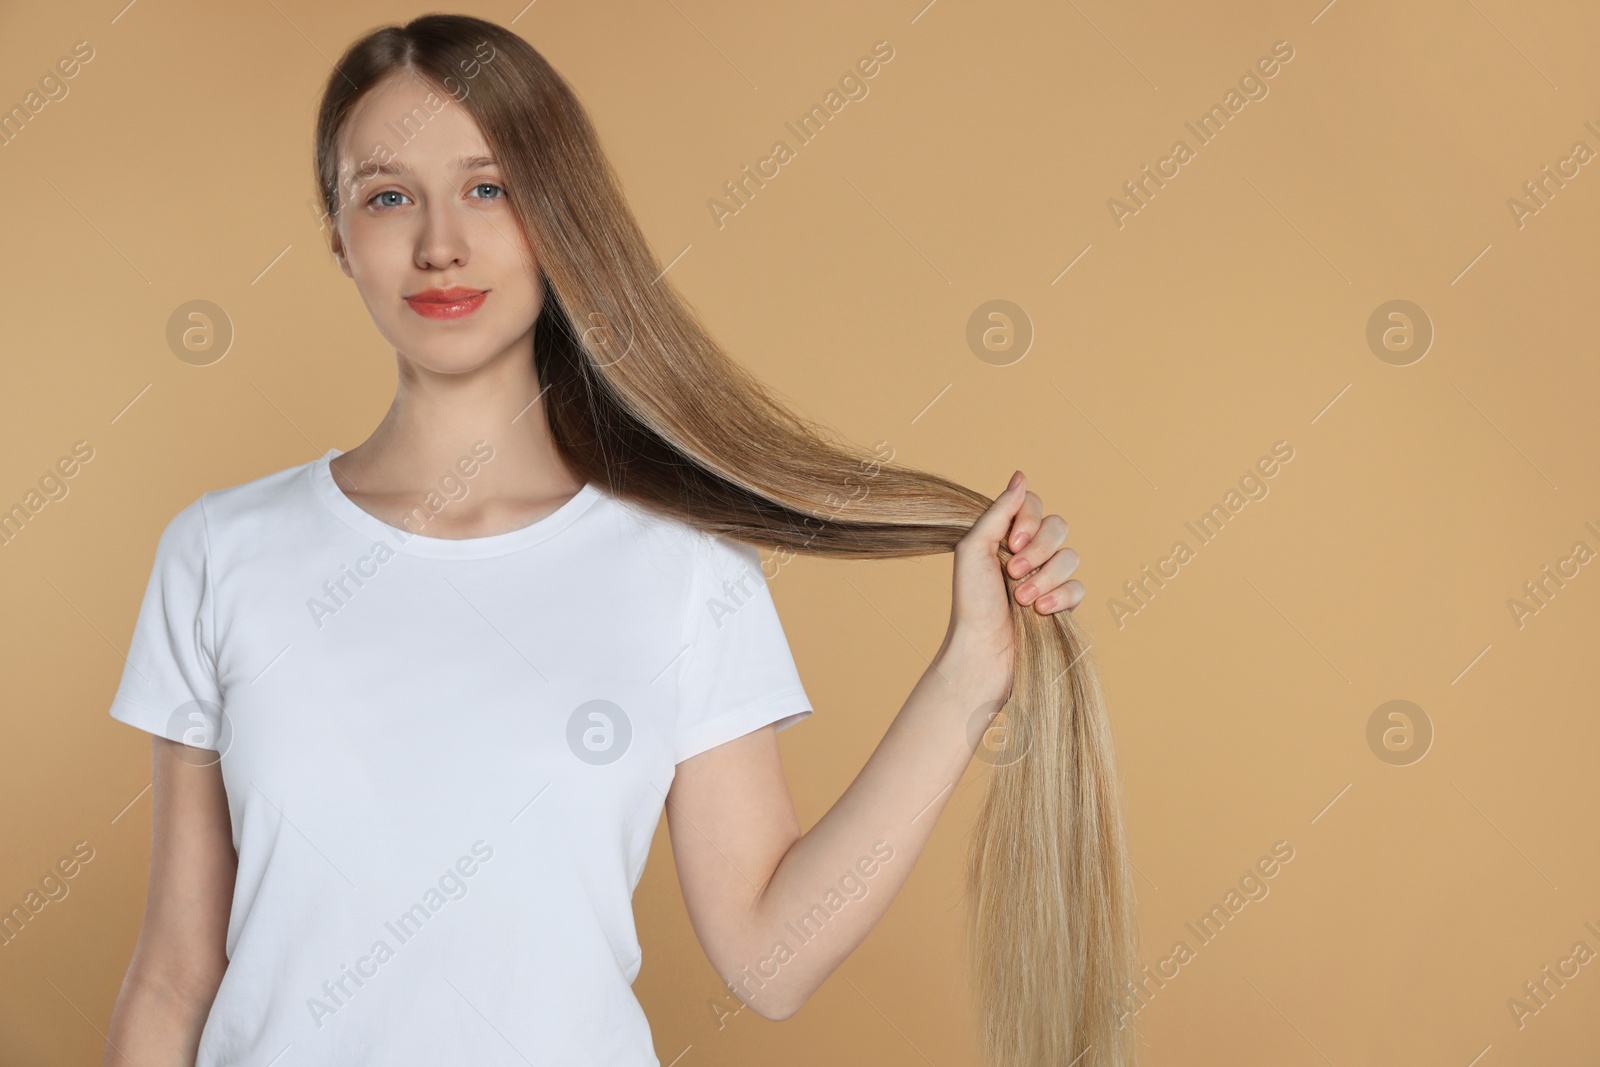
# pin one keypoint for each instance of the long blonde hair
(641, 401)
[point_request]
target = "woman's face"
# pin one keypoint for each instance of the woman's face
(419, 218)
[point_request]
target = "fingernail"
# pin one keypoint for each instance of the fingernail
(1015, 478)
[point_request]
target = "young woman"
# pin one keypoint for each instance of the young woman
(418, 706)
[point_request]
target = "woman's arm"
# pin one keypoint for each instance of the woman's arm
(778, 911)
(752, 882)
(180, 956)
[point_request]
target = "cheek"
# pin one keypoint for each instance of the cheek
(370, 247)
(378, 261)
(515, 276)
(497, 242)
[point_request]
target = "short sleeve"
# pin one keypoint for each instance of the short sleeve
(169, 682)
(737, 674)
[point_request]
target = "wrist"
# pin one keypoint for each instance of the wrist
(978, 675)
(972, 688)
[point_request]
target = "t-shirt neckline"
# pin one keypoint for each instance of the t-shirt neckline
(402, 540)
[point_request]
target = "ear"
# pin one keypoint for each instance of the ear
(336, 246)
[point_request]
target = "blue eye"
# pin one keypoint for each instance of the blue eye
(376, 197)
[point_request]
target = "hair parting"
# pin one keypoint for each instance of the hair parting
(642, 401)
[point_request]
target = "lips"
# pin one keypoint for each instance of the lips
(456, 302)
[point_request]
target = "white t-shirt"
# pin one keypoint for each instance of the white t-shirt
(444, 759)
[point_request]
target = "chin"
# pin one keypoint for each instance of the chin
(462, 355)
(454, 363)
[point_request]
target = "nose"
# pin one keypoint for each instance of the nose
(443, 240)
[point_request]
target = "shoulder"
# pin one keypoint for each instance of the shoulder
(218, 514)
(266, 493)
(717, 552)
(700, 558)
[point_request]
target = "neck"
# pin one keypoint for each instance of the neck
(437, 419)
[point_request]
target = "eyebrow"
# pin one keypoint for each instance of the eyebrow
(396, 168)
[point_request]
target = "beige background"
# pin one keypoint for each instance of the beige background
(1228, 314)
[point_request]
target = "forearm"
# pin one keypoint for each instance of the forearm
(154, 1025)
(836, 881)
